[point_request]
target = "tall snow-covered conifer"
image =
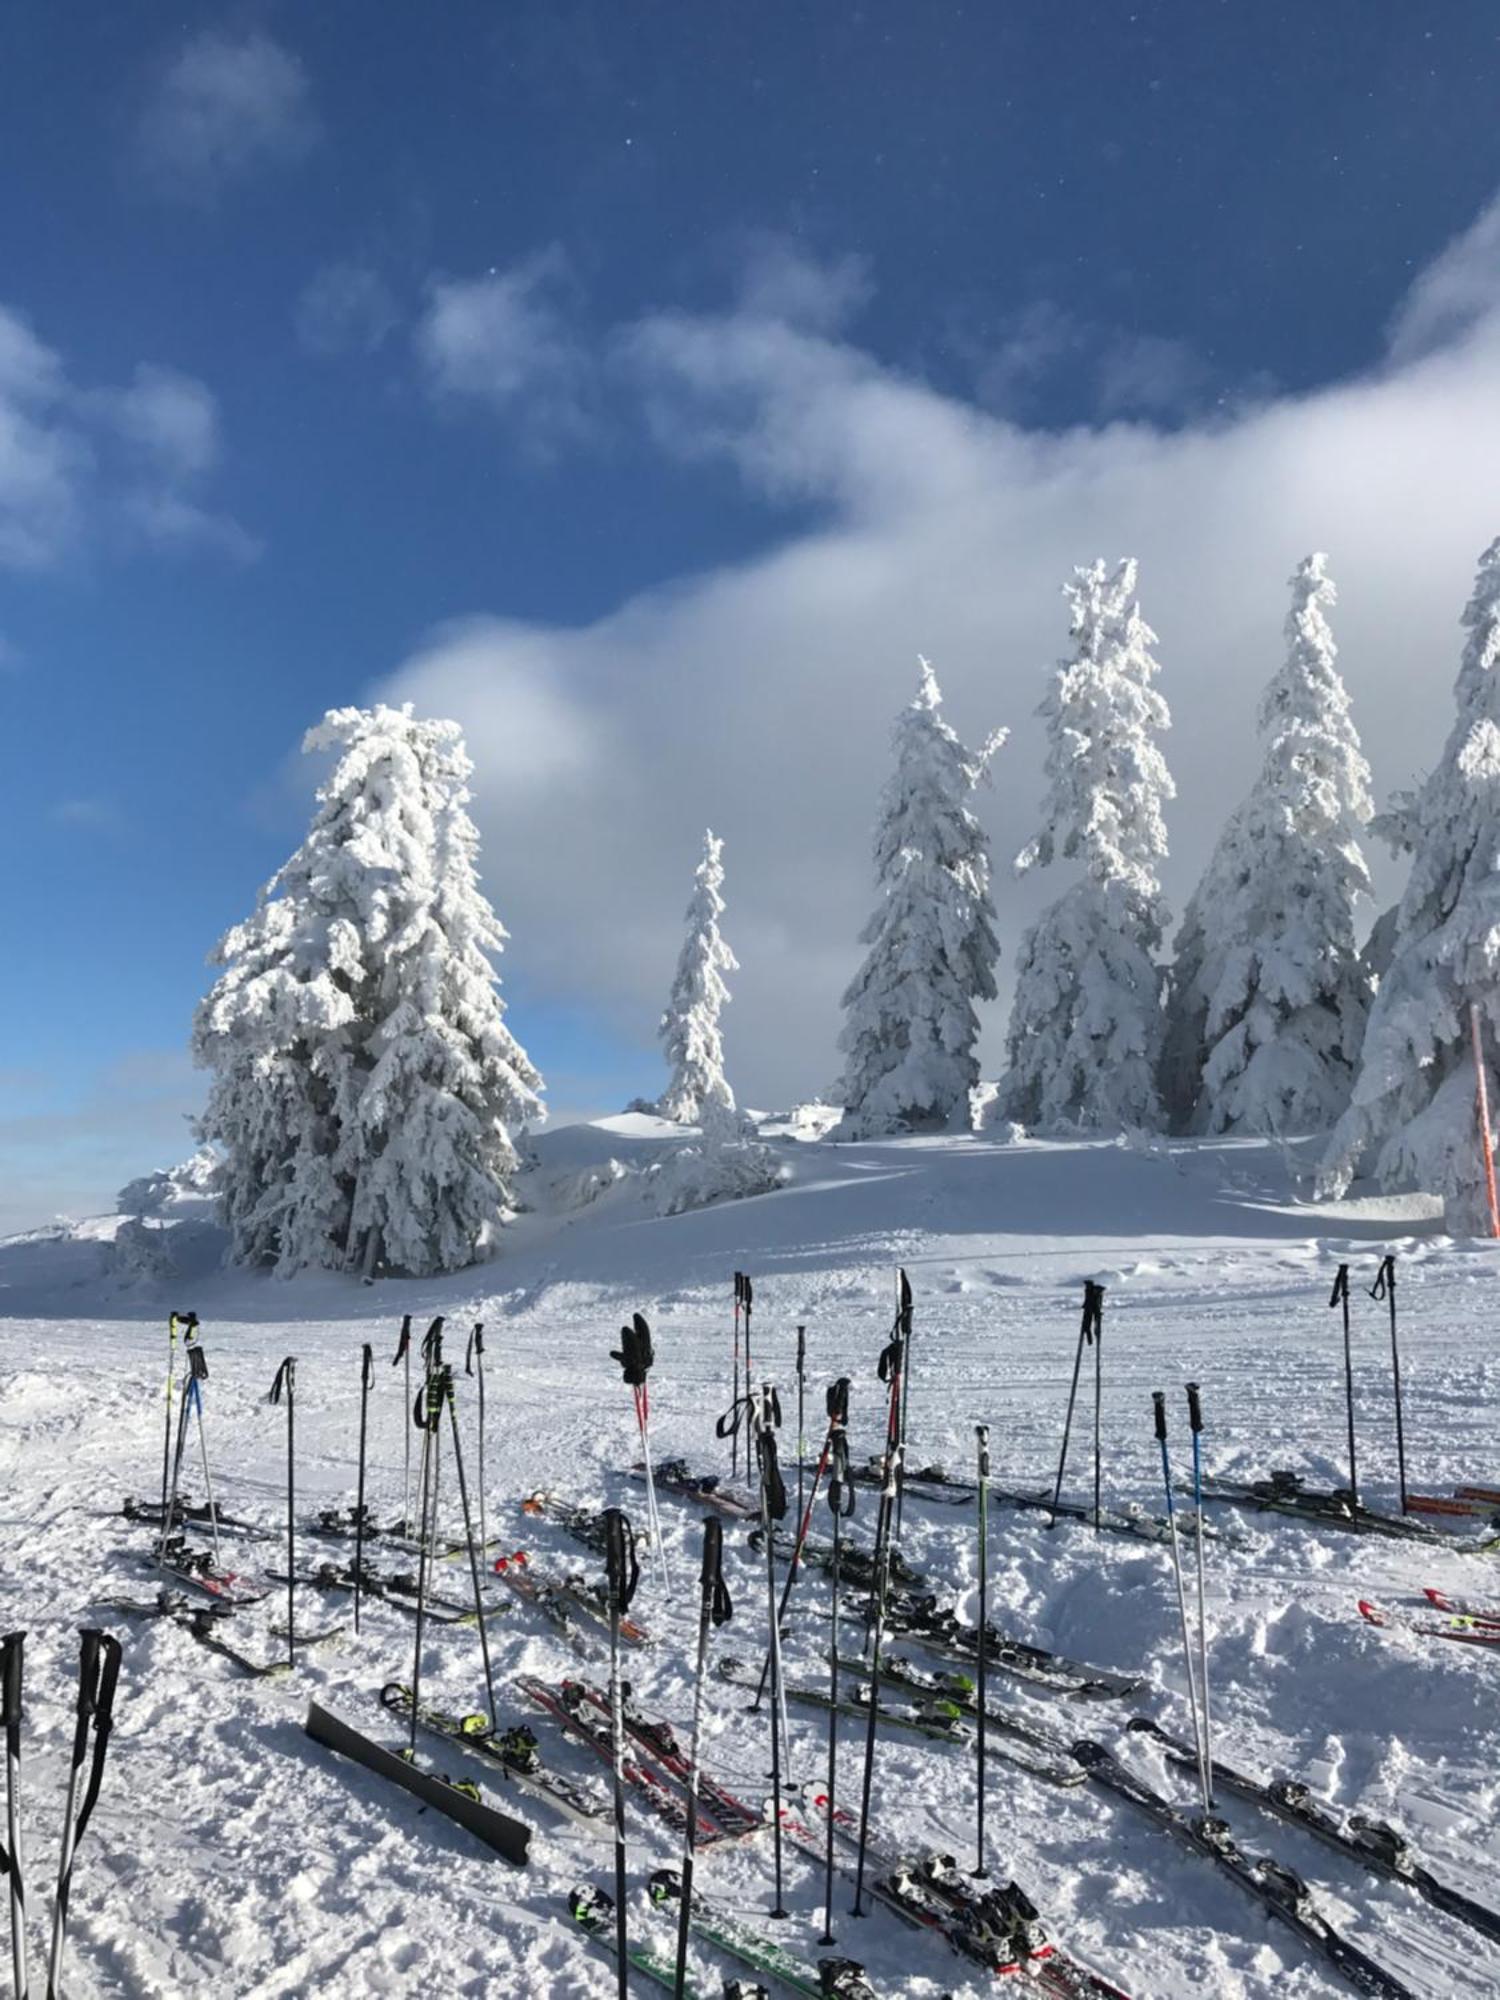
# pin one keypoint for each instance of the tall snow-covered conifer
(910, 1025)
(1268, 997)
(1085, 1029)
(1412, 1119)
(364, 1082)
(690, 1026)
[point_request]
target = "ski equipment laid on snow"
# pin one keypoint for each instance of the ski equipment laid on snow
(1090, 1334)
(1341, 1298)
(636, 1356)
(285, 1385)
(507, 1837)
(920, 1618)
(366, 1378)
(98, 1673)
(1384, 1287)
(1467, 1631)
(700, 1489)
(714, 1609)
(1461, 1607)
(622, 1575)
(932, 1484)
(1159, 1408)
(516, 1753)
(743, 1941)
(838, 1408)
(12, 1659)
(591, 1909)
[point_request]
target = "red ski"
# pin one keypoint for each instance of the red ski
(1460, 1607)
(1467, 1631)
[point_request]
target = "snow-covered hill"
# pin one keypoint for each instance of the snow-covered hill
(229, 1856)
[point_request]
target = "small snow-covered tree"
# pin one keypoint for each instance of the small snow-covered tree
(1412, 1119)
(364, 1082)
(1268, 997)
(690, 1026)
(910, 1025)
(1085, 1029)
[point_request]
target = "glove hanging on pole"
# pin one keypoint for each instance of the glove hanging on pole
(636, 1357)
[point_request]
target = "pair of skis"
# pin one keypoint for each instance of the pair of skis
(205, 1624)
(1284, 1493)
(920, 1618)
(1461, 1626)
(98, 1676)
(515, 1751)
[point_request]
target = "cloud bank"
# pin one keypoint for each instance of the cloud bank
(222, 109)
(759, 697)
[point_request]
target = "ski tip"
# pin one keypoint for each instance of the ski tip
(1371, 1613)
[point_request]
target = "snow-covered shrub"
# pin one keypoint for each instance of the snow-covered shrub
(193, 1180)
(689, 1029)
(721, 1166)
(910, 1025)
(1412, 1119)
(1084, 1039)
(142, 1252)
(1268, 997)
(365, 1084)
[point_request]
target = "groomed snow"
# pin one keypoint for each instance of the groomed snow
(229, 1856)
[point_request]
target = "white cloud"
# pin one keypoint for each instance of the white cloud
(79, 463)
(506, 340)
(346, 308)
(758, 698)
(780, 280)
(1455, 295)
(223, 108)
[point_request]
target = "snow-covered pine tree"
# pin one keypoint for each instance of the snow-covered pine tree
(1412, 1120)
(1267, 1000)
(689, 1029)
(910, 1025)
(364, 1082)
(1084, 1040)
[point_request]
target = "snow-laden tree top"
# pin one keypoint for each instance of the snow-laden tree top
(689, 1029)
(910, 1025)
(365, 1083)
(1412, 1119)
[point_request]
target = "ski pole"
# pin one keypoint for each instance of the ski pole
(184, 1413)
(748, 1307)
(403, 1353)
(1091, 1306)
(1159, 1405)
(1195, 1421)
(636, 1357)
(838, 1407)
(98, 1671)
(12, 1652)
(623, 1574)
(446, 1387)
(474, 1365)
(286, 1385)
(903, 1330)
(982, 1442)
(841, 1506)
(1098, 1398)
(1341, 1297)
(197, 1376)
(889, 1485)
(801, 1412)
(366, 1378)
(427, 1415)
(765, 1415)
(432, 1361)
(888, 1370)
(174, 1320)
(734, 1400)
(1384, 1287)
(714, 1608)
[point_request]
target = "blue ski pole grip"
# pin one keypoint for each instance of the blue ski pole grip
(1159, 1405)
(1195, 1407)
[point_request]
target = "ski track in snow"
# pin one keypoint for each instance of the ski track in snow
(230, 1856)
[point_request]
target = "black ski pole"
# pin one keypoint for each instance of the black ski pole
(1384, 1287)
(903, 1332)
(286, 1385)
(1159, 1407)
(474, 1365)
(445, 1384)
(1195, 1422)
(982, 1442)
(98, 1672)
(714, 1608)
(878, 1596)
(748, 1307)
(888, 1369)
(1093, 1296)
(765, 1415)
(366, 1378)
(734, 1400)
(838, 1405)
(427, 1415)
(623, 1574)
(197, 1376)
(1098, 1398)
(12, 1656)
(636, 1357)
(801, 1412)
(184, 1413)
(403, 1353)
(1341, 1297)
(174, 1320)
(432, 1361)
(841, 1505)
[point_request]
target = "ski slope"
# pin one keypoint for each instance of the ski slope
(231, 1856)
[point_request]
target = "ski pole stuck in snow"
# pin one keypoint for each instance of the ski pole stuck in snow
(982, 1457)
(1384, 1287)
(403, 1353)
(1195, 1421)
(285, 1387)
(1090, 1334)
(714, 1609)
(12, 1661)
(98, 1673)
(474, 1365)
(841, 1506)
(1341, 1297)
(765, 1416)
(622, 1572)
(1159, 1407)
(188, 1322)
(445, 1389)
(427, 1416)
(734, 1394)
(903, 1334)
(366, 1377)
(636, 1357)
(838, 1411)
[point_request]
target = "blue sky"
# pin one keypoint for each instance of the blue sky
(645, 385)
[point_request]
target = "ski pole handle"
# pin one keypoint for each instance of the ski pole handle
(716, 1600)
(367, 1367)
(622, 1566)
(403, 1343)
(1385, 1279)
(1195, 1408)
(1159, 1405)
(801, 1350)
(10, 1679)
(1340, 1286)
(475, 1346)
(982, 1438)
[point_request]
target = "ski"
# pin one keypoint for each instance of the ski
(514, 1750)
(855, 1564)
(957, 1690)
(1464, 1630)
(509, 1838)
(196, 1568)
(1436, 1503)
(579, 1719)
(840, 1977)
(149, 1513)
(593, 1912)
(1379, 1847)
(658, 1741)
(1461, 1607)
(203, 1622)
(584, 1524)
(339, 1524)
(702, 1490)
(400, 1591)
(1490, 1493)
(933, 1484)
(1277, 1889)
(918, 1618)
(558, 1598)
(1284, 1493)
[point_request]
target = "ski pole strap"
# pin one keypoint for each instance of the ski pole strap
(367, 1367)
(716, 1600)
(286, 1381)
(635, 1353)
(1195, 1408)
(622, 1565)
(840, 1485)
(427, 1406)
(772, 1483)
(1385, 1279)
(903, 1310)
(106, 1664)
(403, 1342)
(432, 1345)
(728, 1425)
(475, 1347)
(888, 1367)
(1093, 1311)
(11, 1658)
(1340, 1286)
(747, 1296)
(187, 1322)
(197, 1363)
(739, 1288)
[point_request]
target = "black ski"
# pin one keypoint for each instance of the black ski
(509, 1838)
(940, 1488)
(514, 1750)
(1277, 1889)
(920, 1618)
(957, 1692)
(205, 1623)
(150, 1513)
(1284, 1493)
(1379, 1847)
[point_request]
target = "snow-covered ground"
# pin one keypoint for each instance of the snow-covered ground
(231, 1856)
